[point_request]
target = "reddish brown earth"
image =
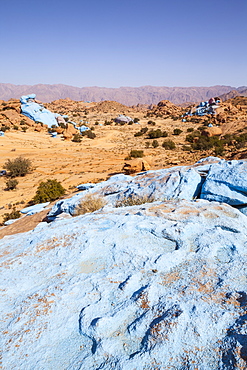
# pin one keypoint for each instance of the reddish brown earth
(95, 160)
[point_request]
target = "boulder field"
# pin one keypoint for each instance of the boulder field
(160, 285)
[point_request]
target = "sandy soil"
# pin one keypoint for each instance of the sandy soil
(76, 163)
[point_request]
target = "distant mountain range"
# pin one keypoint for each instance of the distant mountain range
(125, 95)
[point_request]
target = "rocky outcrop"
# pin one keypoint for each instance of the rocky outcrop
(166, 108)
(212, 131)
(136, 165)
(158, 285)
(69, 131)
(227, 183)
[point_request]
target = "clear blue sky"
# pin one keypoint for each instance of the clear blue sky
(114, 43)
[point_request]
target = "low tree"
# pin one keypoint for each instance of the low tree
(48, 191)
(18, 167)
(11, 184)
(11, 216)
(169, 144)
(155, 143)
(77, 138)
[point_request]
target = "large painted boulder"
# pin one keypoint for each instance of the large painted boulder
(36, 111)
(156, 286)
(227, 182)
(172, 183)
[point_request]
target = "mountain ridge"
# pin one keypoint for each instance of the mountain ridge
(125, 95)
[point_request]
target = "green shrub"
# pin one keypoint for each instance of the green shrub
(62, 125)
(24, 129)
(151, 122)
(219, 150)
(136, 153)
(202, 128)
(155, 134)
(48, 191)
(89, 134)
(76, 138)
(177, 131)
(136, 120)
(155, 143)
(190, 129)
(18, 167)
(4, 128)
(11, 184)
(141, 132)
(186, 148)
(191, 137)
(16, 127)
(169, 144)
(90, 203)
(11, 216)
(206, 143)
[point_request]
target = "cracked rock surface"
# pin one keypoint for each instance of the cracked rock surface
(156, 286)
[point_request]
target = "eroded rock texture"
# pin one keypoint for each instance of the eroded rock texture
(155, 286)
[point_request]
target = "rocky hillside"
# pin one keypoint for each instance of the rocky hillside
(124, 95)
(157, 285)
(232, 94)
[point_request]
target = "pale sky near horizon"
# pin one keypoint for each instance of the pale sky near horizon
(115, 43)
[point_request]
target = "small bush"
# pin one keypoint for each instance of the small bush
(90, 203)
(16, 127)
(186, 148)
(219, 150)
(18, 167)
(76, 138)
(141, 132)
(151, 123)
(62, 125)
(206, 143)
(136, 120)
(136, 153)
(155, 143)
(191, 137)
(4, 128)
(11, 216)
(190, 129)
(89, 134)
(177, 131)
(202, 128)
(48, 191)
(24, 128)
(11, 184)
(155, 134)
(169, 144)
(134, 201)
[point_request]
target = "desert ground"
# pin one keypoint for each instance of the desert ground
(91, 160)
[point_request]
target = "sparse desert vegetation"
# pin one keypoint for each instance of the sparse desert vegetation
(157, 133)
(90, 203)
